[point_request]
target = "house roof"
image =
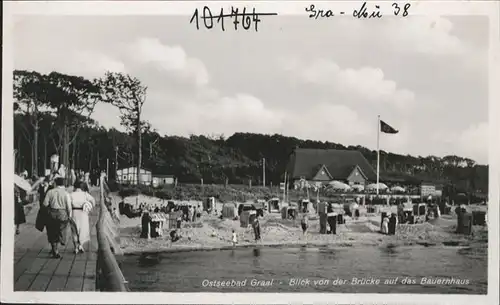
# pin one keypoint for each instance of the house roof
(339, 163)
(162, 176)
(316, 169)
(354, 167)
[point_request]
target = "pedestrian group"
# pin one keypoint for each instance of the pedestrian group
(59, 209)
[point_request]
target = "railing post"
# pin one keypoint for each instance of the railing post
(108, 276)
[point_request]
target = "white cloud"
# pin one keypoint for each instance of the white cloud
(221, 115)
(472, 142)
(94, 64)
(208, 114)
(367, 83)
(324, 121)
(170, 58)
(107, 115)
(90, 64)
(429, 35)
(425, 34)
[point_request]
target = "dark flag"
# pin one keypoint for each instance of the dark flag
(386, 128)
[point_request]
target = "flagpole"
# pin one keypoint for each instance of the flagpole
(284, 189)
(378, 153)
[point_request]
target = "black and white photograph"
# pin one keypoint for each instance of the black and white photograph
(328, 148)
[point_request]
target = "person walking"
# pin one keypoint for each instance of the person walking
(41, 217)
(189, 216)
(194, 214)
(355, 209)
(179, 221)
(234, 238)
(256, 228)
(44, 187)
(385, 225)
(393, 220)
(19, 216)
(331, 219)
(304, 224)
(59, 210)
(86, 178)
(82, 203)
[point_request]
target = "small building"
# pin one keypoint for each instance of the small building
(431, 189)
(320, 166)
(129, 176)
(159, 180)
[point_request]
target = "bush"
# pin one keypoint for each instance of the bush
(230, 193)
(129, 191)
(164, 194)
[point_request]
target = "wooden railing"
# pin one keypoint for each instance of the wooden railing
(109, 276)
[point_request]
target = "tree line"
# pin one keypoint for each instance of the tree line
(56, 107)
(52, 116)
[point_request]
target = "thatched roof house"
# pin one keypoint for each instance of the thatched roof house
(324, 165)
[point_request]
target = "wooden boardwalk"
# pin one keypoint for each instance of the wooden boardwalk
(35, 270)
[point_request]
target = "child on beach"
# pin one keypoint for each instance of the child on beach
(235, 238)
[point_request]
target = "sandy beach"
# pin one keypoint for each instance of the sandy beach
(211, 233)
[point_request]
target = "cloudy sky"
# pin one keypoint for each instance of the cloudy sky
(320, 80)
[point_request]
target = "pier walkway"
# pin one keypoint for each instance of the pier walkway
(35, 270)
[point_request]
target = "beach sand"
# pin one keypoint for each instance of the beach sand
(211, 233)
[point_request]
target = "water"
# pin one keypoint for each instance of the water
(191, 271)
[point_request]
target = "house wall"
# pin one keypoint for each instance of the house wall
(168, 180)
(427, 189)
(163, 180)
(356, 178)
(129, 176)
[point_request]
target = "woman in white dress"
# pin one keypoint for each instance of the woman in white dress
(385, 225)
(82, 203)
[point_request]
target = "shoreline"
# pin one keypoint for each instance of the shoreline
(341, 244)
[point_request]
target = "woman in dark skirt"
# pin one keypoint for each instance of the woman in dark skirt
(19, 217)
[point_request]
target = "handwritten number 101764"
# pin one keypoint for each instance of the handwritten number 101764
(236, 17)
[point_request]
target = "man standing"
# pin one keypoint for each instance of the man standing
(256, 228)
(194, 213)
(58, 203)
(331, 218)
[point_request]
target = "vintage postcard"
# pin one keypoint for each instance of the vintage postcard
(250, 152)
